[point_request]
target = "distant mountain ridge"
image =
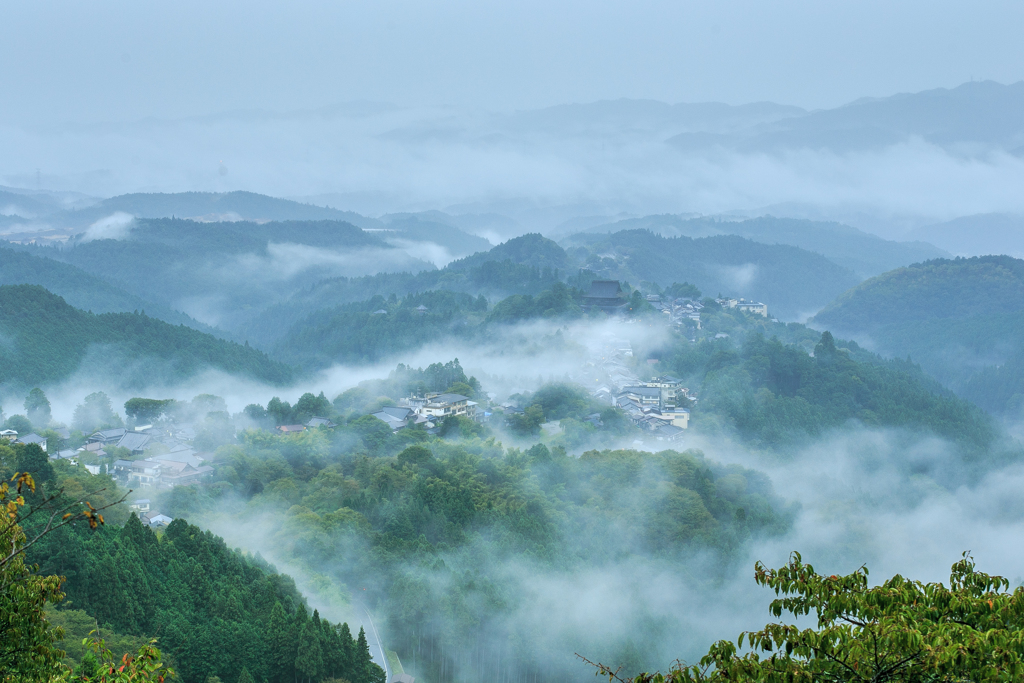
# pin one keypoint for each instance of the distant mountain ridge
(977, 235)
(960, 119)
(863, 253)
(210, 206)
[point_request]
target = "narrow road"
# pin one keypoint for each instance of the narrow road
(375, 637)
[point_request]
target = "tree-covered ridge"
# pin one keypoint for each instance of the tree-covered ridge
(377, 328)
(943, 288)
(790, 280)
(79, 288)
(372, 329)
(492, 277)
(47, 340)
(773, 393)
(961, 319)
(427, 532)
(215, 611)
(532, 249)
(863, 253)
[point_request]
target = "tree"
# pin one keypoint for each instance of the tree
(363, 669)
(18, 423)
(143, 667)
(280, 643)
(37, 408)
(95, 412)
(28, 650)
(900, 631)
(146, 409)
(309, 656)
(245, 676)
(279, 411)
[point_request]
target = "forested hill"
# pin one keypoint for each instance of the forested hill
(213, 611)
(217, 272)
(863, 253)
(792, 281)
(961, 319)
(79, 288)
(240, 205)
(46, 340)
(941, 288)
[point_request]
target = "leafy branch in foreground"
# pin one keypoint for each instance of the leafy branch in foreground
(902, 631)
(28, 644)
(143, 667)
(54, 509)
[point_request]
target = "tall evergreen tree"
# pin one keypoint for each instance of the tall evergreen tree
(363, 665)
(280, 645)
(309, 657)
(347, 657)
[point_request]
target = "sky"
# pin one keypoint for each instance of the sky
(116, 60)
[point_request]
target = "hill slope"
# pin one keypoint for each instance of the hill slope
(978, 235)
(45, 340)
(792, 281)
(864, 254)
(974, 115)
(79, 288)
(220, 272)
(956, 317)
(211, 205)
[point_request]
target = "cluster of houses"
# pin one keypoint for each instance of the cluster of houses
(679, 310)
(656, 405)
(171, 462)
(429, 411)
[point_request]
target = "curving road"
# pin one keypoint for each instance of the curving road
(375, 637)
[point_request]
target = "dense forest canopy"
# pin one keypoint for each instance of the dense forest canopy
(961, 319)
(47, 341)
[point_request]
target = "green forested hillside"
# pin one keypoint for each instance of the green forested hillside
(79, 288)
(377, 328)
(956, 317)
(448, 539)
(46, 340)
(504, 270)
(224, 272)
(774, 394)
(792, 281)
(214, 611)
(938, 289)
(373, 329)
(532, 249)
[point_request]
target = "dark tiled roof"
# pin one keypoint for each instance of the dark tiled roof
(604, 289)
(134, 442)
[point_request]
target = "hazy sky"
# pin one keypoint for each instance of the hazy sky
(121, 59)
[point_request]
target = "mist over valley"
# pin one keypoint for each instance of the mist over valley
(682, 347)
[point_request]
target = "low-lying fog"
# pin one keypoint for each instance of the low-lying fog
(860, 496)
(411, 159)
